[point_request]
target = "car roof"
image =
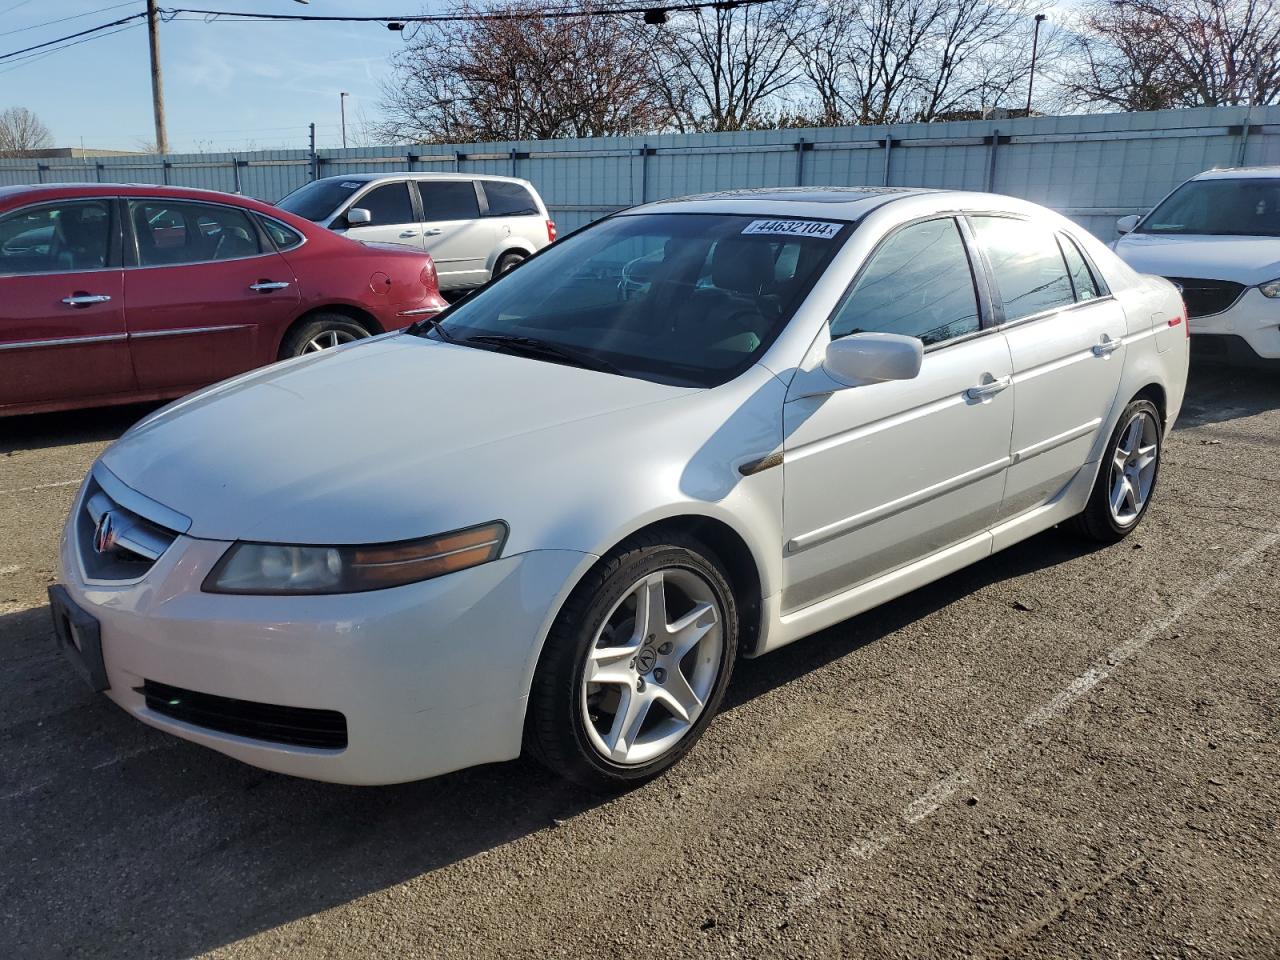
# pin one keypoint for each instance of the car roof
(844, 203)
(1238, 173)
(419, 175)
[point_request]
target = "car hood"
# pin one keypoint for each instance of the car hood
(1247, 260)
(385, 440)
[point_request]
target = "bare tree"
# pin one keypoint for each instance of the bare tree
(521, 79)
(1157, 54)
(20, 131)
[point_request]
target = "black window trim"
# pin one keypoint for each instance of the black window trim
(982, 295)
(484, 212)
(115, 259)
(133, 255)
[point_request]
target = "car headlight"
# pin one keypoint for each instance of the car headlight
(1271, 288)
(277, 568)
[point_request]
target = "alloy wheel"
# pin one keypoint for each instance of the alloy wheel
(1133, 467)
(327, 339)
(652, 666)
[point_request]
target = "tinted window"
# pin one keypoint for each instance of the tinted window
(1081, 276)
(56, 238)
(678, 298)
(1248, 206)
(918, 283)
(283, 237)
(448, 200)
(388, 203)
(1028, 267)
(320, 199)
(171, 232)
(508, 199)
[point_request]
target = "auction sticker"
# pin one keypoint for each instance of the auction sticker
(795, 228)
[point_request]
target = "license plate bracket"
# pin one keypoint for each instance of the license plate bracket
(78, 637)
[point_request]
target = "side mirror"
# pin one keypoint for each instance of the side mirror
(1126, 224)
(868, 357)
(358, 217)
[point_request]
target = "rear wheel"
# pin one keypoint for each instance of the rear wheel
(321, 332)
(635, 666)
(1127, 476)
(507, 261)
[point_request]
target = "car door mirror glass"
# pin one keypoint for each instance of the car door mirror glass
(872, 357)
(358, 217)
(1126, 224)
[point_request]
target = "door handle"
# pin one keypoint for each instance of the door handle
(984, 390)
(408, 233)
(84, 299)
(1107, 346)
(433, 232)
(264, 286)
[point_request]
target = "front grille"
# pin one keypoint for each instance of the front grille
(293, 726)
(1205, 297)
(134, 543)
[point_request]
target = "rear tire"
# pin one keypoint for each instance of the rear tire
(321, 331)
(655, 622)
(1126, 478)
(508, 261)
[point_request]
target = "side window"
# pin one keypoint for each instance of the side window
(60, 237)
(285, 238)
(388, 204)
(448, 200)
(179, 231)
(508, 199)
(918, 283)
(1082, 277)
(1029, 271)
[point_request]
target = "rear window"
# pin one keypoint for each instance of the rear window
(285, 238)
(448, 200)
(320, 199)
(509, 199)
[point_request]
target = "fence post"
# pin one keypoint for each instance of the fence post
(888, 153)
(801, 147)
(235, 172)
(1244, 140)
(513, 162)
(315, 157)
(644, 173)
(40, 169)
(97, 170)
(991, 160)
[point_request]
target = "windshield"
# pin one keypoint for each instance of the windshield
(689, 299)
(1247, 207)
(319, 199)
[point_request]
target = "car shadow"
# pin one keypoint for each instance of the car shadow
(1217, 393)
(40, 430)
(122, 841)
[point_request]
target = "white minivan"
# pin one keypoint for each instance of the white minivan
(474, 227)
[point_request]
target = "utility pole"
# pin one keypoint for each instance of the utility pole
(157, 83)
(342, 108)
(1035, 44)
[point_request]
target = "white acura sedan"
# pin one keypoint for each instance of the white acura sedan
(552, 520)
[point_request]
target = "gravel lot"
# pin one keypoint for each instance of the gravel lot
(1055, 753)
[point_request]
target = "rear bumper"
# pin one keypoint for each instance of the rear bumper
(1253, 321)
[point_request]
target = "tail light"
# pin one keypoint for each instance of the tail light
(551, 231)
(430, 279)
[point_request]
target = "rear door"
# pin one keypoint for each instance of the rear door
(515, 212)
(206, 294)
(457, 238)
(1066, 339)
(62, 329)
(393, 215)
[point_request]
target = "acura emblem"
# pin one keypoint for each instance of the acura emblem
(104, 534)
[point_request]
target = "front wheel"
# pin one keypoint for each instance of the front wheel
(1126, 477)
(635, 666)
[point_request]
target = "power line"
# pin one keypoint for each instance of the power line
(20, 3)
(554, 14)
(74, 16)
(37, 57)
(73, 36)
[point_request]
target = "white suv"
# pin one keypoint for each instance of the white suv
(1218, 237)
(474, 227)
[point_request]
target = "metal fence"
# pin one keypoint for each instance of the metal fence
(1092, 168)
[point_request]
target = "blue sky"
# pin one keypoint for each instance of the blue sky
(228, 86)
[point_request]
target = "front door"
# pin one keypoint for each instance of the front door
(207, 299)
(1066, 340)
(393, 216)
(458, 240)
(62, 330)
(882, 474)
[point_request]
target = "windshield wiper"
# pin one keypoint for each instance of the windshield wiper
(533, 347)
(432, 323)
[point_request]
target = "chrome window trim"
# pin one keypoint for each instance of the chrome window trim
(199, 263)
(63, 341)
(61, 273)
(183, 331)
(301, 243)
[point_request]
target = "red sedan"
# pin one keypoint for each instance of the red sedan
(116, 294)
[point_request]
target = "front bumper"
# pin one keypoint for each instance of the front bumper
(1253, 318)
(430, 677)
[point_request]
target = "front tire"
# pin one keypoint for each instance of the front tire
(1126, 477)
(635, 666)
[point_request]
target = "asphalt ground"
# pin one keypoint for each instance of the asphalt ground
(1059, 752)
